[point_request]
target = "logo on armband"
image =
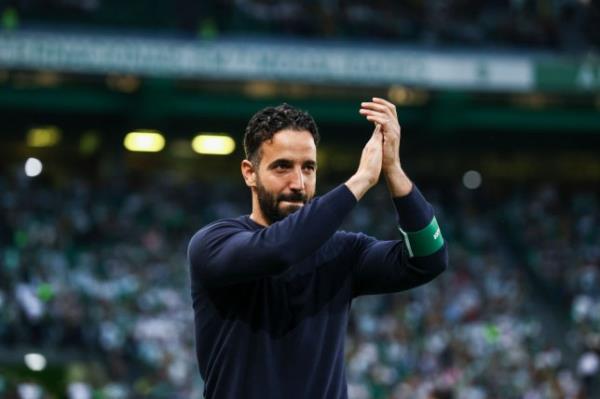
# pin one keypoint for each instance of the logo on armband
(421, 243)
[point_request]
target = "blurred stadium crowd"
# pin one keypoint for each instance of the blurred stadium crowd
(569, 25)
(94, 275)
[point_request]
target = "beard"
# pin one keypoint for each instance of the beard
(269, 203)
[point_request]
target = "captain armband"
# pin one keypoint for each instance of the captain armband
(423, 242)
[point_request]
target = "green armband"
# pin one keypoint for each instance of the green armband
(423, 242)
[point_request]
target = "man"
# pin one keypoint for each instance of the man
(272, 290)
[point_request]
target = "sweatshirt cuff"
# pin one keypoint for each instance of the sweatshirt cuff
(344, 197)
(413, 210)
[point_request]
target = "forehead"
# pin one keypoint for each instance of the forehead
(295, 145)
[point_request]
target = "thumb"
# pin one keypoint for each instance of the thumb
(377, 134)
(377, 130)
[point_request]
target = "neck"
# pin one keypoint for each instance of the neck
(257, 214)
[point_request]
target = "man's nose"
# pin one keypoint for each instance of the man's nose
(297, 182)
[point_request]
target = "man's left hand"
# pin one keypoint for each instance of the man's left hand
(382, 112)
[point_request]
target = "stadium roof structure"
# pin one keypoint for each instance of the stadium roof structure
(158, 80)
(323, 62)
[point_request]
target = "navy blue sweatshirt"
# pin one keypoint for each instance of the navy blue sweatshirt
(271, 303)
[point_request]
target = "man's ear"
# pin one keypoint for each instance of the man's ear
(248, 173)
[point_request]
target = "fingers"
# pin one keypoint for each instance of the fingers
(385, 102)
(383, 147)
(379, 111)
(378, 119)
(375, 143)
(379, 104)
(376, 110)
(377, 130)
(377, 136)
(365, 106)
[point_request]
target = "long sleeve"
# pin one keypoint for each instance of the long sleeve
(227, 252)
(385, 266)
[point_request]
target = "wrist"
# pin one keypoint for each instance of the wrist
(358, 184)
(392, 167)
(398, 183)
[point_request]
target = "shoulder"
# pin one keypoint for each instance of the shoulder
(229, 223)
(219, 228)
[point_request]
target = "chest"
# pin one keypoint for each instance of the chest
(307, 292)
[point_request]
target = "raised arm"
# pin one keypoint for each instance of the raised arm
(227, 252)
(415, 259)
(421, 254)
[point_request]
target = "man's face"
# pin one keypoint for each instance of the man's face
(286, 174)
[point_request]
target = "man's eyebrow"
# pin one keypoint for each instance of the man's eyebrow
(280, 162)
(310, 163)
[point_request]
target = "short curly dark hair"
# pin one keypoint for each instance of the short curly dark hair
(268, 121)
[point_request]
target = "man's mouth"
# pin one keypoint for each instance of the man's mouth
(293, 199)
(293, 202)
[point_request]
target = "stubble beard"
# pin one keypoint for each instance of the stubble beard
(269, 203)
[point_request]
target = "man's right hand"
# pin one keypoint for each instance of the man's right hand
(369, 167)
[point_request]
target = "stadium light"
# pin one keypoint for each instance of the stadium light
(124, 84)
(43, 136)
(398, 94)
(404, 96)
(214, 144)
(29, 390)
(472, 179)
(144, 141)
(35, 361)
(260, 89)
(33, 167)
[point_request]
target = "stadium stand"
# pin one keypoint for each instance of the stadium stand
(94, 274)
(567, 25)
